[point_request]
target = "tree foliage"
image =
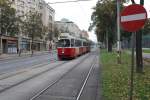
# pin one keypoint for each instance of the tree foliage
(8, 19)
(34, 27)
(146, 29)
(104, 20)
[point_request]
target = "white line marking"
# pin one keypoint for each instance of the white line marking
(133, 17)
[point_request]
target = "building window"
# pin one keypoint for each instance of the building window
(50, 18)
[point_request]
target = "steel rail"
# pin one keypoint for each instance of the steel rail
(22, 71)
(50, 85)
(85, 81)
(11, 86)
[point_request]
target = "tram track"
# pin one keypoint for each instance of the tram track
(85, 81)
(21, 64)
(11, 86)
(56, 81)
(32, 77)
(14, 73)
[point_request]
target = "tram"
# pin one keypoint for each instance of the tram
(71, 47)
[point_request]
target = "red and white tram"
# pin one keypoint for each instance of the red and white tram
(71, 47)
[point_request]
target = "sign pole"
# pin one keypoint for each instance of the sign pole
(132, 67)
(118, 33)
(133, 18)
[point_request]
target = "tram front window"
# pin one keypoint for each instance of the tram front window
(64, 43)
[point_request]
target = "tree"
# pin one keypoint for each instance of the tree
(34, 27)
(104, 20)
(8, 19)
(56, 31)
(146, 29)
(50, 31)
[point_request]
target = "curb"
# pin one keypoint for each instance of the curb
(23, 55)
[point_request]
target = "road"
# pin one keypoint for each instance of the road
(24, 62)
(76, 79)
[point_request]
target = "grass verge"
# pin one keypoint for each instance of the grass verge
(116, 78)
(146, 50)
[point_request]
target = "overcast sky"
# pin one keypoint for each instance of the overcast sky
(80, 12)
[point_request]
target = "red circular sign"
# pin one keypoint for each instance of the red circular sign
(133, 17)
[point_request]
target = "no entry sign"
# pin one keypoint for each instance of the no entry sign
(133, 17)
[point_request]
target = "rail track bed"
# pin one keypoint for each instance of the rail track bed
(76, 79)
(81, 83)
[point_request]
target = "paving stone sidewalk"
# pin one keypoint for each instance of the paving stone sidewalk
(24, 54)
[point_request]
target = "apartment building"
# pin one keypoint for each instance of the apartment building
(68, 26)
(23, 7)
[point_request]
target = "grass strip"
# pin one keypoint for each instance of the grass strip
(116, 78)
(146, 50)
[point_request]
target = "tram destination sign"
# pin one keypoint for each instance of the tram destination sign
(133, 17)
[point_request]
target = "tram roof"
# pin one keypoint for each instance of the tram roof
(69, 36)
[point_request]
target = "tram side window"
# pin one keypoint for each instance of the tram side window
(72, 42)
(78, 43)
(64, 43)
(84, 43)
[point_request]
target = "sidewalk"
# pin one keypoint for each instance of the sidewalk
(145, 55)
(24, 54)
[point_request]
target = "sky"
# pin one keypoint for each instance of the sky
(78, 12)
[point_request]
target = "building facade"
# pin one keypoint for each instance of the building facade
(24, 7)
(85, 34)
(68, 26)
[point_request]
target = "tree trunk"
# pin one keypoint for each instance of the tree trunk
(109, 45)
(32, 46)
(139, 59)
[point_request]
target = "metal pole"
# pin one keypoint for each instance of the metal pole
(19, 40)
(132, 67)
(1, 48)
(118, 32)
(0, 34)
(0, 19)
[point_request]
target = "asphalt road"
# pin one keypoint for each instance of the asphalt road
(67, 88)
(25, 62)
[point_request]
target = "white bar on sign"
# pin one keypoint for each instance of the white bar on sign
(133, 17)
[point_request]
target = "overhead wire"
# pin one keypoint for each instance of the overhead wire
(83, 10)
(67, 1)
